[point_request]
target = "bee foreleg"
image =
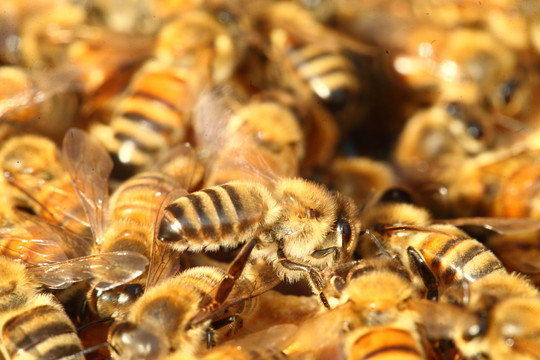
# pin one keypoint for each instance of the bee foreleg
(324, 252)
(425, 272)
(316, 280)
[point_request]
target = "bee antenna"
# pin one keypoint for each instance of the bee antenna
(366, 200)
(377, 242)
(86, 351)
(97, 321)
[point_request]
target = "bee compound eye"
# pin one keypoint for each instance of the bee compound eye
(475, 130)
(135, 342)
(396, 195)
(344, 228)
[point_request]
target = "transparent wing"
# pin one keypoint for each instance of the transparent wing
(34, 241)
(181, 163)
(105, 271)
(89, 166)
(43, 87)
(164, 261)
(229, 154)
(505, 226)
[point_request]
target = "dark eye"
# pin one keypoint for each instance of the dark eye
(345, 229)
(396, 195)
(508, 90)
(475, 130)
(454, 109)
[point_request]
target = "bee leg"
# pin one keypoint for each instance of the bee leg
(210, 338)
(324, 252)
(218, 324)
(315, 278)
(235, 270)
(425, 272)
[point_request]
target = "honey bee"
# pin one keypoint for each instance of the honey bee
(358, 177)
(158, 322)
(34, 325)
(302, 61)
(445, 130)
(495, 184)
(130, 222)
(493, 318)
(376, 322)
(442, 254)
(34, 165)
(224, 129)
(38, 102)
(300, 227)
(192, 51)
(40, 32)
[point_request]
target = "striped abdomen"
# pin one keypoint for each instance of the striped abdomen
(149, 119)
(140, 197)
(386, 344)
(330, 74)
(40, 331)
(135, 206)
(224, 215)
(453, 256)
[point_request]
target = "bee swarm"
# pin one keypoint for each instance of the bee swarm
(365, 173)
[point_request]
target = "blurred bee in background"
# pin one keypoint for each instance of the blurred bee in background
(496, 183)
(33, 166)
(358, 177)
(309, 58)
(45, 102)
(227, 126)
(39, 32)
(445, 130)
(193, 51)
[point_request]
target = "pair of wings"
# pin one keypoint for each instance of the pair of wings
(57, 257)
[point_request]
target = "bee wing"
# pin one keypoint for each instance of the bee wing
(44, 86)
(181, 163)
(35, 241)
(55, 210)
(89, 166)
(164, 261)
(224, 150)
(517, 253)
(503, 226)
(260, 281)
(105, 270)
(443, 320)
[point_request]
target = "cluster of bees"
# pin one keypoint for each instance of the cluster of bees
(289, 179)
